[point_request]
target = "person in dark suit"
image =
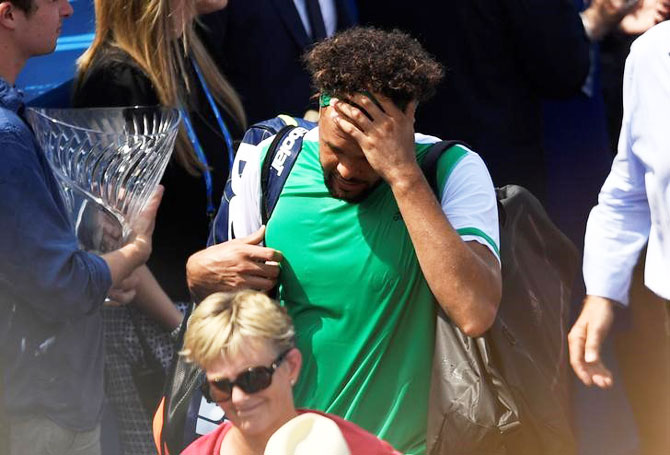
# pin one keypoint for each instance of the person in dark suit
(502, 58)
(258, 45)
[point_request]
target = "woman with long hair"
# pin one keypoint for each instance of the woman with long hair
(146, 53)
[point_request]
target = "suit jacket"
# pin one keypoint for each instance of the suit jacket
(502, 57)
(258, 45)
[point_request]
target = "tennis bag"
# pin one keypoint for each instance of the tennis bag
(507, 392)
(183, 414)
(503, 393)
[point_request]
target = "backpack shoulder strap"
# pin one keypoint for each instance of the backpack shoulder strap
(430, 161)
(279, 160)
(429, 167)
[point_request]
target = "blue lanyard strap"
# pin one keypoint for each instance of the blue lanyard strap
(206, 174)
(217, 114)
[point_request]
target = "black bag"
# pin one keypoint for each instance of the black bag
(148, 375)
(506, 393)
(181, 391)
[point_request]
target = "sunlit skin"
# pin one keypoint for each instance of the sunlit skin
(255, 417)
(346, 171)
(586, 338)
(44, 24)
(25, 35)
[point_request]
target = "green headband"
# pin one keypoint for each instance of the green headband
(325, 98)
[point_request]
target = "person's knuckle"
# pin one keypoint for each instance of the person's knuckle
(243, 267)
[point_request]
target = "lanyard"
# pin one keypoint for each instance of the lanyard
(197, 147)
(206, 174)
(217, 114)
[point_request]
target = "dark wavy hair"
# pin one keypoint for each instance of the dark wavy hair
(369, 59)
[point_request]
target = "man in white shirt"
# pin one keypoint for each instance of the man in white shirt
(633, 206)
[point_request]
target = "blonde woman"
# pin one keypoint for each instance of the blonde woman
(145, 52)
(245, 344)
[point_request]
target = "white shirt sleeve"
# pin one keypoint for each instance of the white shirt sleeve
(618, 227)
(469, 202)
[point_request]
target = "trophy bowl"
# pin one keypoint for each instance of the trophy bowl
(108, 162)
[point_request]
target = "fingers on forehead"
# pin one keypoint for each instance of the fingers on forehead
(365, 100)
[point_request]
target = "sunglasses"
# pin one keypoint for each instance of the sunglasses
(251, 381)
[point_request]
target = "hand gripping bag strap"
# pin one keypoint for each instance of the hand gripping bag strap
(471, 406)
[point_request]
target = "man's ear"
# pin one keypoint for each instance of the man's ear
(7, 15)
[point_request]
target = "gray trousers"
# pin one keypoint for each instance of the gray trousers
(42, 436)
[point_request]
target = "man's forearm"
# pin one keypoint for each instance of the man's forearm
(464, 282)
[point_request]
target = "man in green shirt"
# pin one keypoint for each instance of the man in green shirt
(359, 245)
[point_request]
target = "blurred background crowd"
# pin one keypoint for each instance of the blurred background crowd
(534, 86)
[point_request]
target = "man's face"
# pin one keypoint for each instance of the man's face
(346, 171)
(38, 30)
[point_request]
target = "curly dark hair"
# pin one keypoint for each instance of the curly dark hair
(366, 58)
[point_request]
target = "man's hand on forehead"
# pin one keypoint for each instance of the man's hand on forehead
(385, 134)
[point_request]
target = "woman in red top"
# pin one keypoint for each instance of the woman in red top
(245, 344)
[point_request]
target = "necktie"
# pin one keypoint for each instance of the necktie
(316, 20)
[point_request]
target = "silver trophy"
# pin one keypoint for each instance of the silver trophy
(108, 162)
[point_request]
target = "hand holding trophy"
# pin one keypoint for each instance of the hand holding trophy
(108, 162)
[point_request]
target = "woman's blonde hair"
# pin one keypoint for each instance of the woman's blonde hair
(143, 29)
(225, 322)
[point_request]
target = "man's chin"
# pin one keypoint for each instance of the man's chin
(349, 196)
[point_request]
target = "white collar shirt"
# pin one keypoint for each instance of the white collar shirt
(634, 203)
(328, 11)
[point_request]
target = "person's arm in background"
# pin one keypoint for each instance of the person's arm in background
(647, 14)
(602, 16)
(152, 300)
(550, 44)
(619, 226)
